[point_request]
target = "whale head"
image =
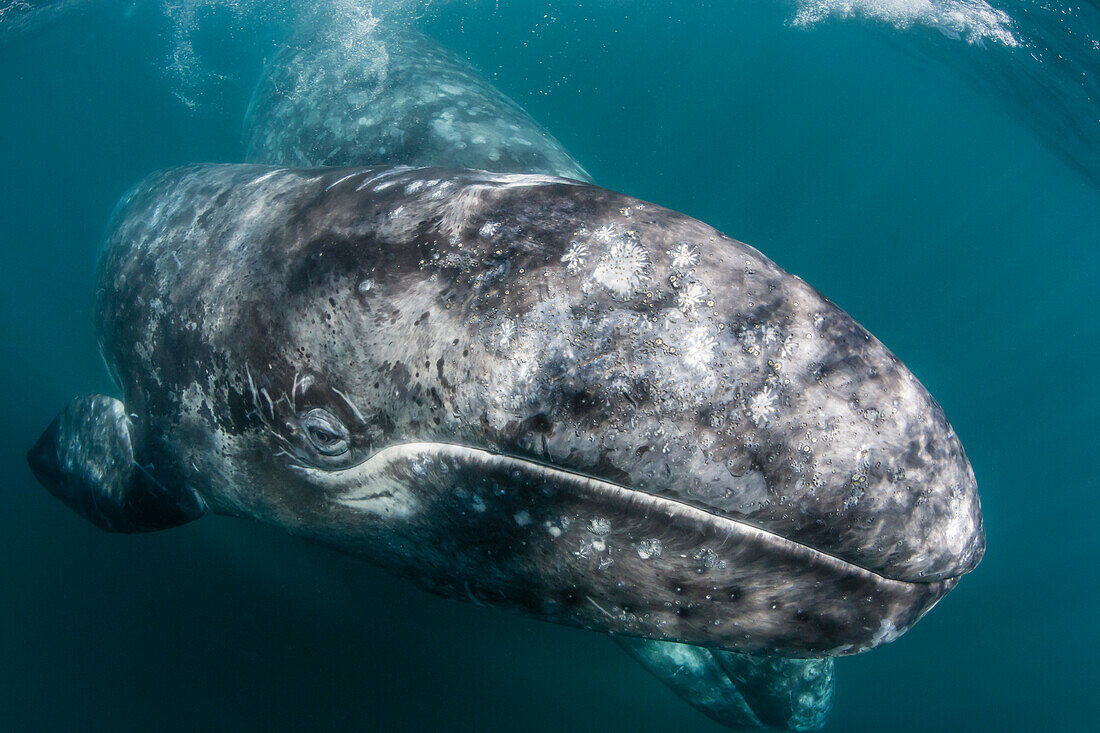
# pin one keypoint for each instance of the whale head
(534, 394)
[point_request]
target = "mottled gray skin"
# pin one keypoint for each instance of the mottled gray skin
(741, 690)
(283, 128)
(533, 415)
(391, 97)
(339, 60)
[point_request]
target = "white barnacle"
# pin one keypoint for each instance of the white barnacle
(788, 348)
(622, 269)
(507, 332)
(684, 257)
(575, 257)
(605, 233)
(699, 348)
(762, 405)
(863, 463)
(691, 297)
(489, 229)
(772, 335)
(649, 547)
(600, 526)
(709, 559)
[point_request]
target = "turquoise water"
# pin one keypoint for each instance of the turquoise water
(933, 168)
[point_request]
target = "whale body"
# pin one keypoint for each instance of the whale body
(347, 95)
(521, 390)
(392, 96)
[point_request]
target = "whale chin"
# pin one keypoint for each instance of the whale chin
(575, 549)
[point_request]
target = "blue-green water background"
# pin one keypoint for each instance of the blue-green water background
(943, 192)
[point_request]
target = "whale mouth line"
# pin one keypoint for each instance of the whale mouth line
(364, 479)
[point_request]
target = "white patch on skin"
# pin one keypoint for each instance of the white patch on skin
(622, 269)
(886, 633)
(384, 185)
(762, 405)
(507, 332)
(691, 297)
(337, 183)
(709, 558)
(699, 348)
(605, 233)
(489, 229)
(600, 526)
(649, 547)
(575, 257)
(267, 176)
(772, 335)
(684, 257)
(382, 175)
(522, 180)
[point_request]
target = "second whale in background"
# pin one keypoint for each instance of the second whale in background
(391, 97)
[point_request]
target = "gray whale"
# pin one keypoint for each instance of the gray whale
(347, 95)
(407, 101)
(341, 97)
(521, 390)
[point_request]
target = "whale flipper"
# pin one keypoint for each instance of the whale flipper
(740, 690)
(86, 459)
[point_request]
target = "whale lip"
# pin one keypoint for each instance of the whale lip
(386, 498)
(575, 549)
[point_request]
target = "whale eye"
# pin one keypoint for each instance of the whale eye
(325, 431)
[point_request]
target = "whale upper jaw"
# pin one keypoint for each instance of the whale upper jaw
(378, 492)
(572, 548)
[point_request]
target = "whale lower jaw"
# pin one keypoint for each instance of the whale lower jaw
(575, 549)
